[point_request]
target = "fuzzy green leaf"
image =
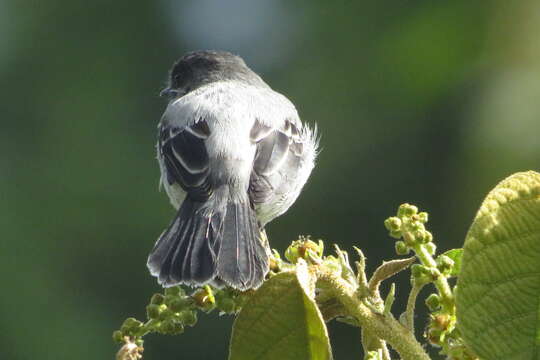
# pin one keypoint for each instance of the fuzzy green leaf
(499, 284)
(280, 321)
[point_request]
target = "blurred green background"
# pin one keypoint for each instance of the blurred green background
(429, 102)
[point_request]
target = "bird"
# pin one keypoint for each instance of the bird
(233, 155)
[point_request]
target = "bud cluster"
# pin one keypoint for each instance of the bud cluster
(305, 248)
(169, 313)
(442, 332)
(440, 326)
(424, 274)
(409, 226)
(230, 301)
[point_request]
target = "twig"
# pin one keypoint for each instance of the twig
(383, 327)
(372, 343)
(411, 303)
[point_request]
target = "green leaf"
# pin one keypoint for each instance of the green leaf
(456, 255)
(388, 269)
(280, 321)
(498, 293)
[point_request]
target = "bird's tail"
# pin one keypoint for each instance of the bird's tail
(202, 246)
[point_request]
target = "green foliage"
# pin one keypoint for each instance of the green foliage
(169, 313)
(409, 225)
(494, 314)
(499, 283)
(280, 321)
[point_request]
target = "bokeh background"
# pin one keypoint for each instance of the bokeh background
(429, 102)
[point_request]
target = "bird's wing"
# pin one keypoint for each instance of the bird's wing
(185, 158)
(278, 159)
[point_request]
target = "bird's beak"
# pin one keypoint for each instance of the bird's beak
(166, 92)
(172, 93)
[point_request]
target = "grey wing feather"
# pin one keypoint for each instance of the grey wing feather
(271, 152)
(185, 158)
(283, 161)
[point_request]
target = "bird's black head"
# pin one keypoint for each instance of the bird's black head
(200, 68)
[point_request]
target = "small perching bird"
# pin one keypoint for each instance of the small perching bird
(233, 155)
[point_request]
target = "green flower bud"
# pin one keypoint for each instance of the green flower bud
(304, 248)
(428, 237)
(188, 318)
(169, 299)
(421, 274)
(132, 323)
(226, 305)
(171, 327)
(419, 236)
(157, 299)
(204, 298)
(434, 337)
(393, 224)
(153, 311)
(292, 254)
(407, 210)
(154, 325)
(409, 239)
(180, 304)
(441, 322)
(416, 226)
(396, 234)
(444, 264)
(165, 313)
(433, 302)
(401, 248)
(433, 273)
(274, 264)
(175, 291)
(176, 305)
(130, 326)
(431, 248)
(372, 355)
(118, 336)
(422, 217)
(418, 270)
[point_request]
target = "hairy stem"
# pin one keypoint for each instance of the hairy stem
(383, 327)
(372, 343)
(411, 303)
(440, 283)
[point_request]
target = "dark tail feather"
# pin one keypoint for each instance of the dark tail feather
(186, 252)
(199, 248)
(242, 261)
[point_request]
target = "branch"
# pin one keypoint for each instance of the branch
(411, 303)
(383, 327)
